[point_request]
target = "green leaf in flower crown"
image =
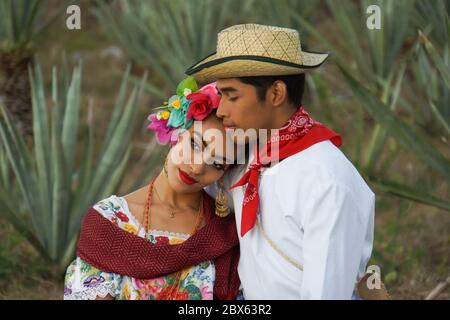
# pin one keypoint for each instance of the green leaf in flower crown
(188, 83)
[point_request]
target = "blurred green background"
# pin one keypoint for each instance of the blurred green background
(74, 105)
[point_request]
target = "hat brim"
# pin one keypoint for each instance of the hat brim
(213, 67)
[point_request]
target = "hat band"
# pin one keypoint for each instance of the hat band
(217, 61)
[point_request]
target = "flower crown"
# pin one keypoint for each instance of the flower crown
(179, 112)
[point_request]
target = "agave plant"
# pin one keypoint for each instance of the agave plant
(374, 64)
(430, 70)
(279, 13)
(168, 36)
(21, 22)
(46, 189)
(439, 102)
(411, 138)
(371, 56)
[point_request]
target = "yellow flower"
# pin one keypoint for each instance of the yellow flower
(130, 228)
(126, 292)
(176, 104)
(176, 241)
(163, 115)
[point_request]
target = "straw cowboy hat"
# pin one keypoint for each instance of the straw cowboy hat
(247, 50)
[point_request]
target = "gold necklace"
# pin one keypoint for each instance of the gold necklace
(172, 212)
(148, 204)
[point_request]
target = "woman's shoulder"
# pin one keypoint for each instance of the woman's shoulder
(108, 206)
(137, 196)
(115, 209)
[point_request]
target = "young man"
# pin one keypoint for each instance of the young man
(306, 221)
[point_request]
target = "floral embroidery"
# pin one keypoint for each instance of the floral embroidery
(162, 240)
(176, 241)
(93, 281)
(130, 228)
(123, 217)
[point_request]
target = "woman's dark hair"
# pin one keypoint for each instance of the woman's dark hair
(295, 85)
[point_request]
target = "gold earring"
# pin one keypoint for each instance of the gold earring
(222, 209)
(165, 167)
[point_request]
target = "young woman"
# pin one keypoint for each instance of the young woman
(169, 239)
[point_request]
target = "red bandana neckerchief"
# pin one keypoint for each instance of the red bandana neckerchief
(300, 132)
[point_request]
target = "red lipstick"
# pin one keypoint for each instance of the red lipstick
(186, 178)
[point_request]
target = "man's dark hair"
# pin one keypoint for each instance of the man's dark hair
(295, 85)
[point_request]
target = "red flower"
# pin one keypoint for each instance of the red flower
(183, 295)
(162, 240)
(200, 107)
(165, 292)
(123, 217)
(170, 292)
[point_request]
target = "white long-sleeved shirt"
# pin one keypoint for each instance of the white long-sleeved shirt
(320, 212)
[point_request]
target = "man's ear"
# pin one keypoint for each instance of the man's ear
(277, 93)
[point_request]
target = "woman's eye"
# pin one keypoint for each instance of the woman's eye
(233, 98)
(194, 145)
(218, 166)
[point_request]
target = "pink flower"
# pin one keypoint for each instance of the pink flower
(211, 91)
(149, 287)
(163, 132)
(207, 294)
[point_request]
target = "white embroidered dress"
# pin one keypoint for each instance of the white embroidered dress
(84, 282)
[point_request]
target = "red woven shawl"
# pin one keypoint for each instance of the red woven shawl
(111, 249)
